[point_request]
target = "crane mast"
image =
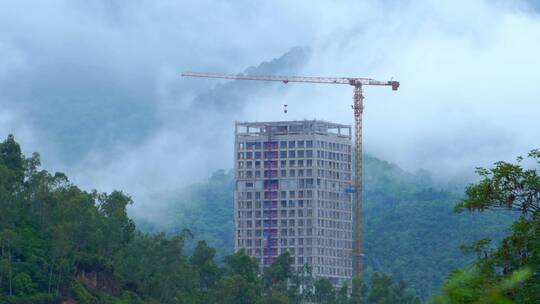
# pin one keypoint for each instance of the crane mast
(358, 108)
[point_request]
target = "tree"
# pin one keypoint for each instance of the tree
(507, 186)
(243, 265)
(279, 272)
(154, 266)
(11, 157)
(241, 283)
(8, 244)
(275, 296)
(324, 291)
(473, 286)
(24, 285)
(120, 228)
(203, 260)
(507, 273)
(343, 294)
(301, 290)
(384, 289)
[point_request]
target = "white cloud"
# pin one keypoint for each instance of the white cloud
(469, 93)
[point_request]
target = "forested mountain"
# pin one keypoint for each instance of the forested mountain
(60, 244)
(410, 228)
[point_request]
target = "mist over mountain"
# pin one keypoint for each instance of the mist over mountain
(97, 86)
(410, 228)
(194, 139)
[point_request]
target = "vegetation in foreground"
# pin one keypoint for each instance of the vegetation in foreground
(509, 273)
(59, 243)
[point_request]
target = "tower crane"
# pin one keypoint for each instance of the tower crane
(358, 108)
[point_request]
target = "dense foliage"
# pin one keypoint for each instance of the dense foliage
(59, 243)
(410, 228)
(510, 272)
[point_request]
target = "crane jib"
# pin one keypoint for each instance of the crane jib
(305, 79)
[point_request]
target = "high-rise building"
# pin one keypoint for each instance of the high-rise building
(293, 193)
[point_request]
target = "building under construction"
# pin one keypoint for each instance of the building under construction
(293, 193)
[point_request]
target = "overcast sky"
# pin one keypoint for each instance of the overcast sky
(95, 87)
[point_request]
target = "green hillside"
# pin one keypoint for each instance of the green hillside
(410, 228)
(60, 244)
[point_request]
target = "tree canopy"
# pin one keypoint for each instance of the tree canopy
(507, 273)
(59, 242)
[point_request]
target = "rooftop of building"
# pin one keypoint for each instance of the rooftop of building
(313, 126)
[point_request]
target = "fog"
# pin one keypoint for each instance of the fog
(95, 87)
